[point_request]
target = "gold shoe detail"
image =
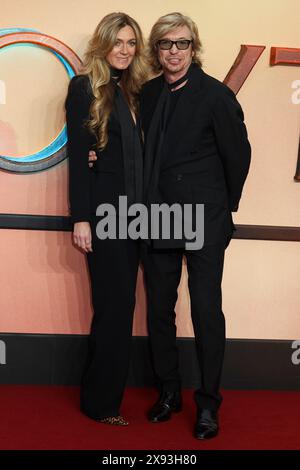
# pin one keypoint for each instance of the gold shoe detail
(116, 420)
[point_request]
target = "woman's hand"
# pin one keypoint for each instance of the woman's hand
(92, 158)
(82, 236)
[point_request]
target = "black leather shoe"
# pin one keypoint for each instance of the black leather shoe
(168, 403)
(207, 425)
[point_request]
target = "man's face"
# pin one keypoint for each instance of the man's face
(175, 60)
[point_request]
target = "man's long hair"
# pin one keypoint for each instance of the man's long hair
(97, 68)
(163, 26)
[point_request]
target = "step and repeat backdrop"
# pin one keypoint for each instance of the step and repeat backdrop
(43, 277)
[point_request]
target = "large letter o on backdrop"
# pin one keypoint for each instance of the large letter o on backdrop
(55, 152)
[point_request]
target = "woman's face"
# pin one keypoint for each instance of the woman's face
(121, 55)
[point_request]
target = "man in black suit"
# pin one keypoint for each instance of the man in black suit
(196, 152)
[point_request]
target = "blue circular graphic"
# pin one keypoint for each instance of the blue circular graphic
(56, 150)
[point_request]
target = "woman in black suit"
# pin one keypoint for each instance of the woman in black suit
(101, 111)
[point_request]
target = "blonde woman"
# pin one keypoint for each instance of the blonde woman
(101, 112)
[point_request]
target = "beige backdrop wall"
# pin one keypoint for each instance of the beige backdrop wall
(43, 278)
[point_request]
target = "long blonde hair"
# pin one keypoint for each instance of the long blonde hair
(163, 26)
(98, 70)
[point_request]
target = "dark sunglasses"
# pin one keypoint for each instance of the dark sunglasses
(181, 44)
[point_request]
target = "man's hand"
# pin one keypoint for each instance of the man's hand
(92, 158)
(82, 236)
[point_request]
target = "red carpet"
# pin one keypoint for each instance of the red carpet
(44, 417)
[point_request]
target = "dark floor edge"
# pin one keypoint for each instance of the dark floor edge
(59, 360)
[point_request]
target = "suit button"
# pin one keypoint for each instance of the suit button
(178, 177)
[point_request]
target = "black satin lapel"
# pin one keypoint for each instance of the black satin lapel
(153, 142)
(138, 160)
(132, 150)
(183, 112)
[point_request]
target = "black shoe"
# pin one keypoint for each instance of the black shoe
(207, 424)
(168, 403)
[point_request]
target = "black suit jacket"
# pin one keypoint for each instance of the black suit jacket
(204, 156)
(110, 175)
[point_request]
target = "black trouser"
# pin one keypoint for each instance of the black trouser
(162, 274)
(113, 267)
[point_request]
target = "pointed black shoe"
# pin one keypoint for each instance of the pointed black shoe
(168, 403)
(207, 425)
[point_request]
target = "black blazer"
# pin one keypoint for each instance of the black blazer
(205, 153)
(110, 175)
